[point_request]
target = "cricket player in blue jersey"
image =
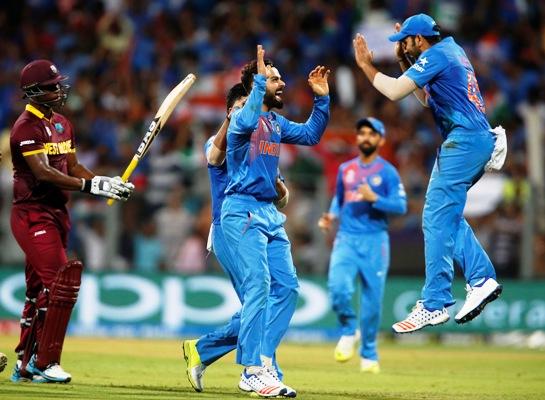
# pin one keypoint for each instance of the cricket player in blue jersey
(252, 225)
(368, 189)
(443, 79)
(201, 353)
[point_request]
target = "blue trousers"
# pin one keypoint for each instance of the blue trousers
(263, 264)
(367, 257)
(216, 344)
(447, 235)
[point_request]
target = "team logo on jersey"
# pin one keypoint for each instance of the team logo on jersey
(376, 180)
(59, 148)
(58, 127)
(269, 148)
(420, 64)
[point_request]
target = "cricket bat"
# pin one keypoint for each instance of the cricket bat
(161, 117)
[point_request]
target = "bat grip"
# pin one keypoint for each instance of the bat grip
(126, 174)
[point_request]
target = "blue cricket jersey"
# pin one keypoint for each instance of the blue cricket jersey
(253, 142)
(358, 216)
(455, 100)
(218, 183)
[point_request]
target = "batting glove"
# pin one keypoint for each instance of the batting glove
(104, 186)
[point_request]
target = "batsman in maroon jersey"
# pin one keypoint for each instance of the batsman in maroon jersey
(45, 168)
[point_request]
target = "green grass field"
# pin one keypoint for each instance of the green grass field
(154, 369)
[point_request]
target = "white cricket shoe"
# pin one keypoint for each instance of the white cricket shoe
(369, 366)
(346, 347)
(477, 298)
(53, 372)
(420, 318)
(264, 382)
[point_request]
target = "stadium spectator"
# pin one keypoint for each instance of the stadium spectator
(170, 39)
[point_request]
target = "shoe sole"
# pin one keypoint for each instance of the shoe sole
(187, 371)
(34, 371)
(479, 309)
(343, 359)
(422, 327)
(46, 379)
(3, 361)
(256, 395)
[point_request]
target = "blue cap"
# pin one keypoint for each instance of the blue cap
(419, 24)
(373, 123)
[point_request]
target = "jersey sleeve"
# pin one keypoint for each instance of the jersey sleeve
(428, 66)
(310, 132)
(208, 146)
(29, 139)
(244, 120)
(395, 200)
(338, 199)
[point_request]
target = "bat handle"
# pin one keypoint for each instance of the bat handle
(125, 177)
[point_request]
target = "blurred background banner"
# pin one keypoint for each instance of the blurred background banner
(164, 305)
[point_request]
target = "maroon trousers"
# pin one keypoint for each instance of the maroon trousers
(42, 233)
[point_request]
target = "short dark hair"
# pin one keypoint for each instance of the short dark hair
(433, 39)
(248, 71)
(235, 93)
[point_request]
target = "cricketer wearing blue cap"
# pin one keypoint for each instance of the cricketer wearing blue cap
(251, 223)
(443, 79)
(368, 189)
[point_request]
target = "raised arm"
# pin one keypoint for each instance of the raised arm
(244, 121)
(404, 64)
(393, 88)
(310, 132)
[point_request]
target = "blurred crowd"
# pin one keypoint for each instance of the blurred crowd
(123, 57)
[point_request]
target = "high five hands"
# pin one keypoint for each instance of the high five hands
(362, 53)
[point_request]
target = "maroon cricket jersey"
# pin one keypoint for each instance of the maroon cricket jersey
(32, 133)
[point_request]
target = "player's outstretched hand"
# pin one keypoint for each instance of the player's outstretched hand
(361, 52)
(261, 68)
(317, 79)
(104, 186)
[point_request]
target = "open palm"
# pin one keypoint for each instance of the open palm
(317, 79)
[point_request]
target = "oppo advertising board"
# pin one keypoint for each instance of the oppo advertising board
(171, 305)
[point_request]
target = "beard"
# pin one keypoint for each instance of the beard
(367, 149)
(271, 101)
